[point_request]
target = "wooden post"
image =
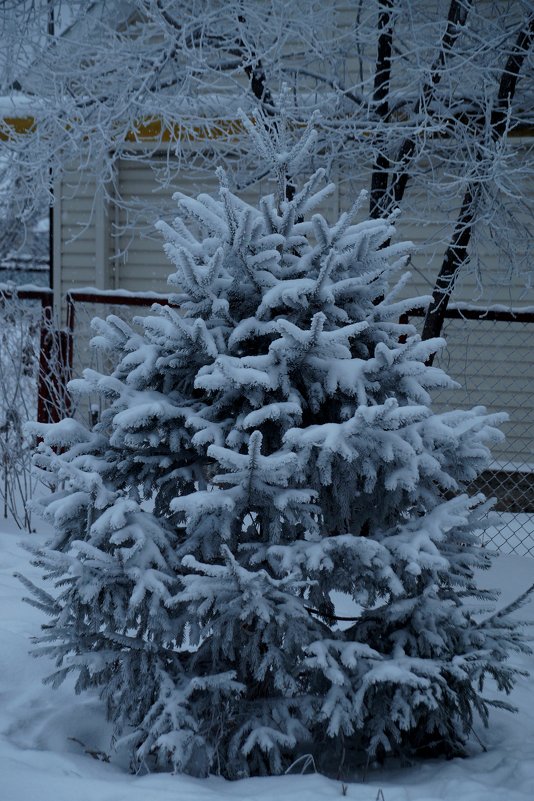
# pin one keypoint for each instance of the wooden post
(55, 368)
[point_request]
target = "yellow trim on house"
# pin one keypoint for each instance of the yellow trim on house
(147, 130)
(9, 126)
(152, 129)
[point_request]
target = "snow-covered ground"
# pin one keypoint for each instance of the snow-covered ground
(45, 733)
(513, 533)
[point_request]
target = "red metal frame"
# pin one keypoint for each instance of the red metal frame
(111, 298)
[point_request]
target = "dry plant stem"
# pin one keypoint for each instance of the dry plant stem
(20, 324)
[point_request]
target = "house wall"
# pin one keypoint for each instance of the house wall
(138, 260)
(81, 235)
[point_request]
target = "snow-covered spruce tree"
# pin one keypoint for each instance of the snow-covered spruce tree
(268, 439)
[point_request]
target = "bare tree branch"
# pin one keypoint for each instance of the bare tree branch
(379, 177)
(408, 99)
(456, 20)
(457, 255)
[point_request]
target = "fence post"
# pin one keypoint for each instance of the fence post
(55, 368)
(44, 400)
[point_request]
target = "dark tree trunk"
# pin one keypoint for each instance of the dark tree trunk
(456, 19)
(257, 76)
(456, 254)
(379, 178)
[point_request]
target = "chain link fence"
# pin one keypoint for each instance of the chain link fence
(489, 353)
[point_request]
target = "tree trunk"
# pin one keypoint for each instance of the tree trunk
(456, 254)
(379, 179)
(386, 199)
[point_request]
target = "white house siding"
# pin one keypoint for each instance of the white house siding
(75, 257)
(139, 262)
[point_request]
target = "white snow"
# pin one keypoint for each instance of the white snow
(42, 226)
(117, 293)
(40, 759)
(17, 104)
(495, 307)
(514, 532)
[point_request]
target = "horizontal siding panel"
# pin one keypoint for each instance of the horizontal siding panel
(147, 262)
(72, 262)
(78, 194)
(73, 234)
(507, 399)
(145, 249)
(76, 212)
(78, 247)
(83, 275)
(156, 284)
(76, 282)
(143, 268)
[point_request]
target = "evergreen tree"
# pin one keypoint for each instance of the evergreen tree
(268, 439)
